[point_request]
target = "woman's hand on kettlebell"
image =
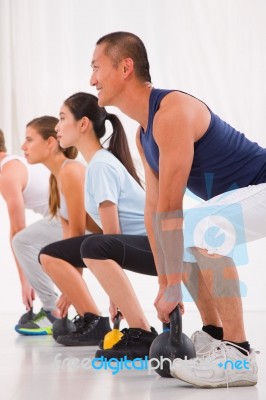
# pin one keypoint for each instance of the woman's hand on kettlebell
(63, 305)
(28, 294)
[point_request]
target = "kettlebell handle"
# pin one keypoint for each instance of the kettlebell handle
(117, 319)
(65, 320)
(176, 326)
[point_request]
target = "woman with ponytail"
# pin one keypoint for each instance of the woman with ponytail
(115, 200)
(67, 211)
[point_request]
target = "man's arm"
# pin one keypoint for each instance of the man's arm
(151, 200)
(151, 205)
(178, 124)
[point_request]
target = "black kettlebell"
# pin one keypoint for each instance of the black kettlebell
(63, 326)
(28, 316)
(171, 344)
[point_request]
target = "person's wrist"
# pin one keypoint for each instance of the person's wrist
(173, 292)
(174, 279)
(162, 280)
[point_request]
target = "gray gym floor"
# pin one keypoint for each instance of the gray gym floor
(38, 368)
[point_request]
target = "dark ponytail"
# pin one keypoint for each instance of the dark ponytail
(118, 146)
(70, 152)
(86, 105)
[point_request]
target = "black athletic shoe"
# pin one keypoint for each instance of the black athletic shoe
(90, 330)
(135, 343)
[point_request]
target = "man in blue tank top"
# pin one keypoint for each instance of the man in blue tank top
(183, 144)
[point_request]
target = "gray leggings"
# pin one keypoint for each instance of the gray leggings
(26, 245)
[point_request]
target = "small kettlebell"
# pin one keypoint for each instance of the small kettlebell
(63, 326)
(171, 344)
(28, 316)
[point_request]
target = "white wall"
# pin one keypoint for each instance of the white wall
(214, 49)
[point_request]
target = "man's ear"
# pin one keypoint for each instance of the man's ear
(128, 66)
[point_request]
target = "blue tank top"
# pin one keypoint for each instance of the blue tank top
(224, 159)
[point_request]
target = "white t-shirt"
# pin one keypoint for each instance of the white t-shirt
(36, 192)
(108, 179)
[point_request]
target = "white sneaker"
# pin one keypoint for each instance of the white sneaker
(203, 342)
(225, 366)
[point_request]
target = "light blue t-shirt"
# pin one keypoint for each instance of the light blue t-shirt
(108, 179)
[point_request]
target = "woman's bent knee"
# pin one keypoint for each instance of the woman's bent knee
(46, 262)
(96, 247)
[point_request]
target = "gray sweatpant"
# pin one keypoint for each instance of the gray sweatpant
(27, 245)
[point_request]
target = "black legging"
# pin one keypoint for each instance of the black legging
(131, 252)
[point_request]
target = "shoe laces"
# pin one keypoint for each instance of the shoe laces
(82, 324)
(221, 349)
(129, 336)
(79, 323)
(77, 319)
